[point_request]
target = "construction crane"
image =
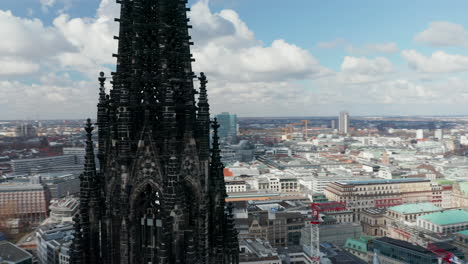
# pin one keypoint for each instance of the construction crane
(318, 208)
(306, 127)
(290, 129)
(285, 132)
(444, 256)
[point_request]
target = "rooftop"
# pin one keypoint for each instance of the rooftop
(444, 181)
(383, 181)
(10, 252)
(12, 187)
(464, 232)
(376, 210)
(359, 244)
(448, 217)
(415, 208)
(404, 244)
(51, 158)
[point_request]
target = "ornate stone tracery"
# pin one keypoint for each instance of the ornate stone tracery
(158, 194)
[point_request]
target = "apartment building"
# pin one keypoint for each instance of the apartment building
(54, 242)
(47, 164)
(460, 195)
(235, 186)
(25, 201)
(373, 221)
(360, 195)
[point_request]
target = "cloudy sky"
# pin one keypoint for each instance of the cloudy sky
(262, 57)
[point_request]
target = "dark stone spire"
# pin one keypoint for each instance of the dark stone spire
(89, 201)
(232, 243)
(217, 166)
(215, 151)
(102, 121)
(159, 195)
(76, 253)
(203, 119)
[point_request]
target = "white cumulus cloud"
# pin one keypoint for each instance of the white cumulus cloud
(438, 62)
(375, 48)
(12, 66)
(441, 34)
(356, 70)
(228, 50)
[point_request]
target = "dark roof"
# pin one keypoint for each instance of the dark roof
(375, 210)
(11, 252)
(441, 245)
(239, 204)
(289, 249)
(403, 244)
(344, 257)
(445, 246)
(381, 181)
(339, 256)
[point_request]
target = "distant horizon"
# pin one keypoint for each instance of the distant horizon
(272, 117)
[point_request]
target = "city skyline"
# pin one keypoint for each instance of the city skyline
(408, 61)
(233, 132)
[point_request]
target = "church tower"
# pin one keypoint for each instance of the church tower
(158, 195)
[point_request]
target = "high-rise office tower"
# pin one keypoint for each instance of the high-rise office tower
(343, 123)
(227, 125)
(159, 194)
(419, 134)
(439, 134)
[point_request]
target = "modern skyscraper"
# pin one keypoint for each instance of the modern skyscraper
(25, 130)
(159, 194)
(439, 134)
(419, 134)
(227, 125)
(343, 123)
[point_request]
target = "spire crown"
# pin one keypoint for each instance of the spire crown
(215, 125)
(102, 79)
(89, 128)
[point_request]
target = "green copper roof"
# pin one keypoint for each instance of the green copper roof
(464, 232)
(415, 208)
(444, 182)
(449, 217)
(359, 244)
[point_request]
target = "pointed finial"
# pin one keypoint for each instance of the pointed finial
(202, 78)
(89, 128)
(102, 79)
(215, 126)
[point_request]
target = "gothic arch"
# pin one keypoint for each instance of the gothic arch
(193, 199)
(146, 221)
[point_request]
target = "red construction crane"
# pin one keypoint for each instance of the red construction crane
(318, 208)
(445, 256)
